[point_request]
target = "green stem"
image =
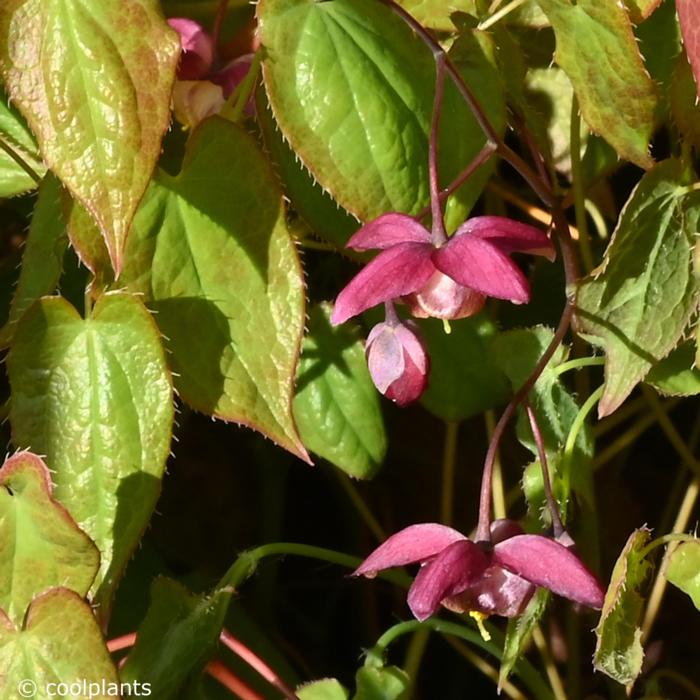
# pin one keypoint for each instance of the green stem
(680, 679)
(498, 16)
(497, 490)
(570, 445)
(19, 160)
(598, 220)
(360, 506)
(680, 524)
(665, 539)
(449, 459)
(526, 672)
(413, 659)
(628, 437)
(670, 431)
(577, 364)
(550, 667)
(247, 562)
(577, 184)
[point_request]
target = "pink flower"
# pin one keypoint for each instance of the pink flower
(200, 90)
(397, 361)
(492, 579)
(450, 281)
(197, 49)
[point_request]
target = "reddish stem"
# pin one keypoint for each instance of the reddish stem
(255, 662)
(218, 23)
(438, 229)
(483, 531)
(119, 643)
(542, 189)
(231, 681)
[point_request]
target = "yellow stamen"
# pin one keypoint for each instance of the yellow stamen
(479, 617)
(446, 326)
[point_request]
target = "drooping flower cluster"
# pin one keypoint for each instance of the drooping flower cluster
(447, 281)
(201, 89)
(496, 578)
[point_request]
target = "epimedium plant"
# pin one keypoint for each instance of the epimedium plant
(204, 187)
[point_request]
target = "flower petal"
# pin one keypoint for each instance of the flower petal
(412, 544)
(482, 266)
(400, 270)
(509, 235)
(549, 564)
(448, 574)
(387, 230)
(497, 592)
(385, 356)
(197, 49)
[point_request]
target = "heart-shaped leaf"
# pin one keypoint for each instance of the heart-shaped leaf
(93, 79)
(60, 642)
(211, 253)
(637, 304)
(41, 547)
(464, 380)
(95, 397)
(597, 50)
(351, 87)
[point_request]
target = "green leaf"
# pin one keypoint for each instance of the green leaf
(548, 93)
(380, 683)
(597, 50)
(619, 653)
(637, 304)
(464, 379)
(683, 96)
(60, 642)
(676, 375)
(683, 570)
(95, 397)
(518, 633)
(352, 89)
(321, 213)
(176, 638)
(93, 80)
(326, 689)
(41, 547)
(14, 132)
(337, 407)
(42, 260)
(640, 9)
(212, 255)
(435, 14)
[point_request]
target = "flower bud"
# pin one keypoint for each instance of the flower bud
(195, 100)
(197, 49)
(397, 361)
